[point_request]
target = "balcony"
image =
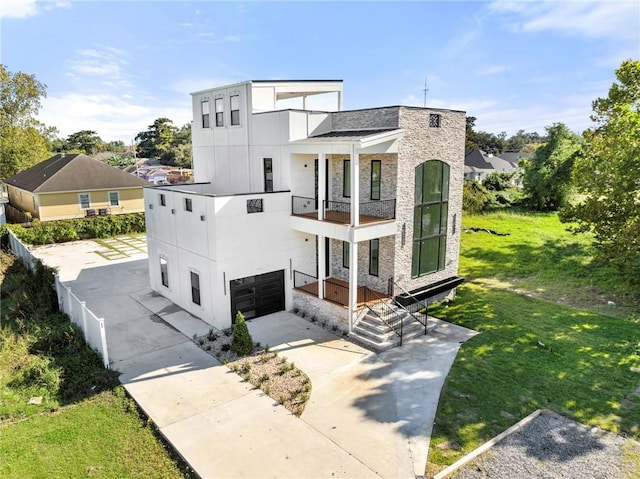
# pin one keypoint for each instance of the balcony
(340, 211)
(335, 290)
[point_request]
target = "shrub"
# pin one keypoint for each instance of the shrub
(241, 342)
(498, 180)
(474, 197)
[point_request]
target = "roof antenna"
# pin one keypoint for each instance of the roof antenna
(426, 89)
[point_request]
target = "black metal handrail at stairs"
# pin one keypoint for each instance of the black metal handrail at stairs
(386, 310)
(392, 286)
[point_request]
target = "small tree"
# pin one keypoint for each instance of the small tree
(474, 197)
(241, 343)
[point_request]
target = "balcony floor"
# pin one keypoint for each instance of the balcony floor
(340, 217)
(334, 291)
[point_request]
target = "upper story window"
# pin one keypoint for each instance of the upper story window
(375, 179)
(346, 179)
(235, 109)
(434, 120)
(188, 204)
(254, 206)
(219, 103)
(205, 113)
(163, 199)
(114, 198)
(430, 216)
(195, 287)
(268, 174)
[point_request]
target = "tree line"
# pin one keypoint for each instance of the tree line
(602, 165)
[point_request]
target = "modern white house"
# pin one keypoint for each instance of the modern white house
(350, 216)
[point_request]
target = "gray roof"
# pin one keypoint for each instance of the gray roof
(351, 134)
(75, 172)
(477, 159)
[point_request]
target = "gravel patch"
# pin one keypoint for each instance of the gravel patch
(554, 446)
(278, 378)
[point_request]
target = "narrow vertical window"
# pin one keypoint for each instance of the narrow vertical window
(205, 113)
(188, 204)
(85, 201)
(195, 288)
(219, 103)
(114, 198)
(268, 174)
(163, 199)
(345, 254)
(375, 179)
(164, 272)
(346, 179)
(374, 256)
(235, 109)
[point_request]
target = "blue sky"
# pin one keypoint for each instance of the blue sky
(115, 66)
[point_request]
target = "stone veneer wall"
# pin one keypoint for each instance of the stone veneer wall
(419, 144)
(388, 176)
(332, 313)
(386, 117)
(385, 264)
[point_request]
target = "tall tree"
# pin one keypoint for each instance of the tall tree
(608, 173)
(21, 142)
(84, 141)
(157, 140)
(547, 176)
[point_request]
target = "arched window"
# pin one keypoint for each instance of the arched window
(430, 218)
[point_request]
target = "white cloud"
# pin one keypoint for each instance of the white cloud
(492, 70)
(591, 19)
(18, 8)
(27, 8)
(114, 117)
(108, 63)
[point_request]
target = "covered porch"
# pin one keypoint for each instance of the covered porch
(335, 290)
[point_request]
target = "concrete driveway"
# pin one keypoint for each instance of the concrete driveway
(369, 415)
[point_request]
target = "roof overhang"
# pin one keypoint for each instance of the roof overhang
(384, 142)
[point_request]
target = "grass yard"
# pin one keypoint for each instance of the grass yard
(539, 256)
(548, 338)
(82, 424)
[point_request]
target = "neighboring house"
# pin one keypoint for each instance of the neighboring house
(478, 164)
(330, 212)
(74, 186)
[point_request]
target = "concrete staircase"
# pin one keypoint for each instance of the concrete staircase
(373, 332)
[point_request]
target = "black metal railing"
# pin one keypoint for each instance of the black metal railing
(413, 308)
(302, 279)
(384, 209)
(304, 206)
(335, 292)
(383, 310)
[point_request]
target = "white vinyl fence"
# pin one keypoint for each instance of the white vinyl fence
(91, 326)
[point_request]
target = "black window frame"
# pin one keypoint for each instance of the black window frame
(268, 182)
(162, 199)
(164, 271)
(376, 182)
(188, 204)
(346, 178)
(346, 251)
(435, 120)
(429, 245)
(255, 205)
(374, 260)
(195, 288)
(235, 112)
(219, 111)
(205, 116)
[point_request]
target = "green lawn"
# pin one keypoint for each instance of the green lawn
(534, 352)
(85, 425)
(540, 256)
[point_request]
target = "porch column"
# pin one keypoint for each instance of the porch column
(355, 186)
(322, 254)
(322, 179)
(353, 281)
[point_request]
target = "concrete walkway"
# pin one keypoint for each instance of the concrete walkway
(368, 416)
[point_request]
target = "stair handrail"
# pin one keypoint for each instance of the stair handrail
(426, 315)
(387, 311)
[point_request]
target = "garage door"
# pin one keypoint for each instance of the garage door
(257, 295)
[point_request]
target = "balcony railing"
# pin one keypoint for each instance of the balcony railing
(340, 211)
